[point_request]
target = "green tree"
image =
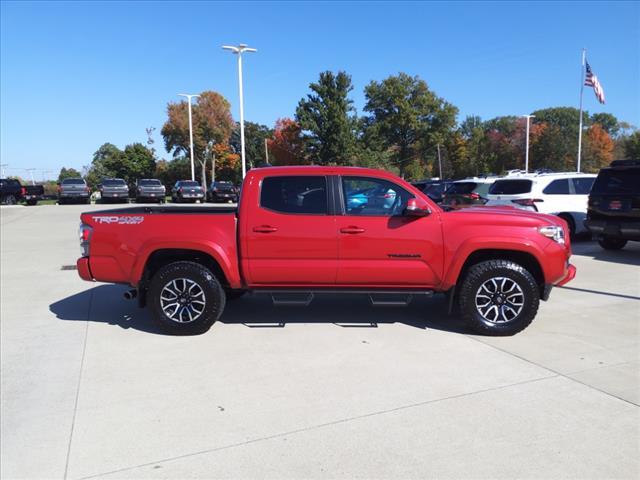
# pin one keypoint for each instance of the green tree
(564, 123)
(255, 135)
(212, 125)
(136, 161)
(607, 121)
(68, 173)
(327, 116)
(407, 117)
(632, 146)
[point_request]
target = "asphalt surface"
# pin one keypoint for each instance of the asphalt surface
(90, 387)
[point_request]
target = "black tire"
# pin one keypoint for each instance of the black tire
(31, 203)
(571, 223)
(87, 201)
(214, 297)
(500, 324)
(9, 200)
(234, 294)
(611, 243)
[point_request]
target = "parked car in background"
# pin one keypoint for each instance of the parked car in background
(114, 190)
(561, 194)
(467, 192)
(433, 188)
(613, 212)
(222, 192)
(73, 190)
(187, 191)
(12, 192)
(149, 190)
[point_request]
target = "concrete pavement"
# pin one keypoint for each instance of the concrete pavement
(91, 388)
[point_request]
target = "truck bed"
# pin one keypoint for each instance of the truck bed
(166, 209)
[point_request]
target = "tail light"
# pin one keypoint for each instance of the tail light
(59, 188)
(84, 233)
(23, 191)
(180, 189)
(474, 196)
(528, 202)
(86, 189)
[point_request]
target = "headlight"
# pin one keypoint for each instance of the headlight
(553, 232)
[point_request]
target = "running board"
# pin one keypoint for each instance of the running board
(378, 298)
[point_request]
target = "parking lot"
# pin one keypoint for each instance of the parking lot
(91, 388)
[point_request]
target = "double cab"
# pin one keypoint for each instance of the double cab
(300, 230)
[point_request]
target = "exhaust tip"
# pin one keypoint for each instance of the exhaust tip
(131, 294)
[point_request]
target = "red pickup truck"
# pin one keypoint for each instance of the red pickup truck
(303, 230)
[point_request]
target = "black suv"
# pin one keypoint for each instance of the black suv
(433, 188)
(222, 192)
(614, 205)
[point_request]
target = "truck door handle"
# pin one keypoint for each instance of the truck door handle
(265, 229)
(352, 230)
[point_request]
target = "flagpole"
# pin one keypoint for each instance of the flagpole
(584, 56)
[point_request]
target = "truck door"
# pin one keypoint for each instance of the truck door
(291, 236)
(378, 246)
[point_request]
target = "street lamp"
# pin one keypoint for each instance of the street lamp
(526, 153)
(239, 50)
(193, 168)
(2, 166)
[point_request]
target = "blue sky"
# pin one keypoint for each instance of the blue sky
(75, 75)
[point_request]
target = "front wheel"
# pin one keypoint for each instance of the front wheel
(498, 297)
(185, 298)
(610, 243)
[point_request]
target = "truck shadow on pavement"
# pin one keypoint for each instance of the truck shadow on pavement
(629, 255)
(105, 304)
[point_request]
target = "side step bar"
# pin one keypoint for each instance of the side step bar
(378, 298)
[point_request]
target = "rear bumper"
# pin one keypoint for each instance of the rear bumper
(73, 195)
(628, 230)
(83, 269)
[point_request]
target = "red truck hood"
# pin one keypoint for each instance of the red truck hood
(509, 214)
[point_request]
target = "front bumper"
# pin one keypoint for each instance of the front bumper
(628, 230)
(570, 275)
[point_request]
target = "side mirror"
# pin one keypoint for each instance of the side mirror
(416, 208)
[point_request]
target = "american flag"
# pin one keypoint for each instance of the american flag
(591, 80)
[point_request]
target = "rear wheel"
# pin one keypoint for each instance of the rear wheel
(185, 298)
(32, 202)
(498, 297)
(610, 243)
(9, 200)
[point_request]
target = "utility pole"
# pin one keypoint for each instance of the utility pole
(526, 151)
(193, 168)
(239, 50)
(31, 170)
(439, 162)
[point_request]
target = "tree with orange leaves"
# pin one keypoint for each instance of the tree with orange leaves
(598, 149)
(287, 145)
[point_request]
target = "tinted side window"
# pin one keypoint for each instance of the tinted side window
(300, 194)
(510, 187)
(583, 186)
(557, 187)
(373, 197)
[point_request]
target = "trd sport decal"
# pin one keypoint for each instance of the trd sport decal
(125, 220)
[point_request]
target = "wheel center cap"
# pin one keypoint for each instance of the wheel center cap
(499, 300)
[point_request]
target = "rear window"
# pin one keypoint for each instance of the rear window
(295, 194)
(223, 186)
(617, 181)
(149, 183)
(510, 187)
(73, 181)
(189, 184)
(461, 188)
(117, 182)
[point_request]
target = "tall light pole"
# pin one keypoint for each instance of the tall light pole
(31, 170)
(2, 166)
(193, 168)
(526, 151)
(239, 50)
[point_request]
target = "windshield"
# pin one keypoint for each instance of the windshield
(189, 184)
(617, 181)
(73, 181)
(149, 183)
(116, 182)
(461, 188)
(510, 187)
